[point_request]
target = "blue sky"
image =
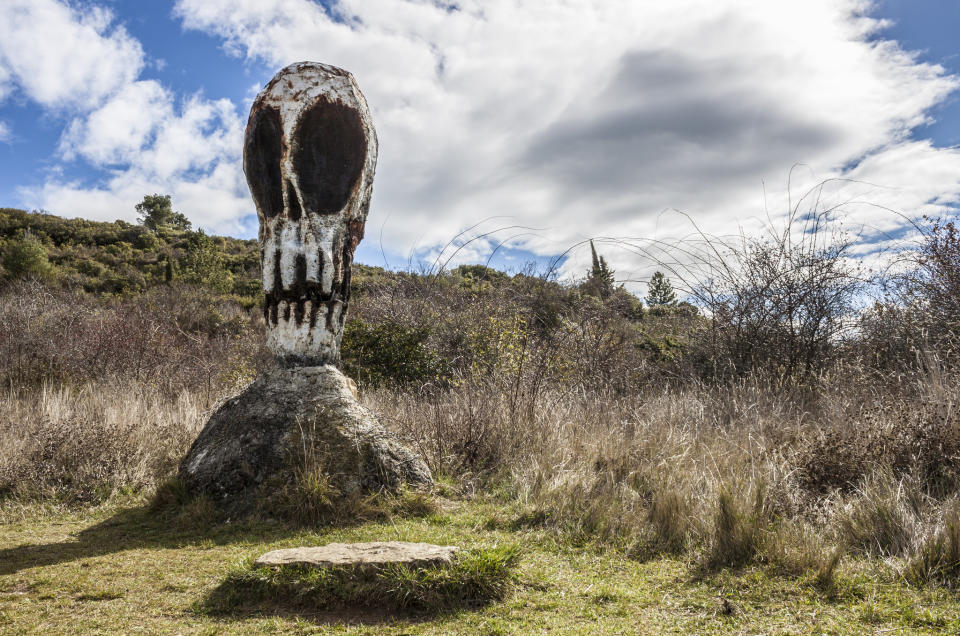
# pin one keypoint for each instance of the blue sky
(601, 118)
(930, 27)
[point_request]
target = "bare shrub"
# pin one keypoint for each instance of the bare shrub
(911, 434)
(935, 281)
(171, 338)
(105, 395)
(779, 303)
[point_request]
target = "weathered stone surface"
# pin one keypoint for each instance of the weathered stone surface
(360, 555)
(286, 416)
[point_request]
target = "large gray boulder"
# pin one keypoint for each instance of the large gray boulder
(289, 419)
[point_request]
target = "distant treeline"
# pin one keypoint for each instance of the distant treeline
(122, 258)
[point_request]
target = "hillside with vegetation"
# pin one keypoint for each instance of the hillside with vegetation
(766, 442)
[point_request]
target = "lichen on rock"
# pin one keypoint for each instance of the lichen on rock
(289, 416)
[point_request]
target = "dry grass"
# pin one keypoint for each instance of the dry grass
(730, 476)
(714, 475)
(794, 473)
(88, 443)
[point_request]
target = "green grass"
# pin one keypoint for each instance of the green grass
(125, 568)
(475, 578)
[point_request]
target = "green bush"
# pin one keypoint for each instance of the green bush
(26, 256)
(202, 263)
(121, 259)
(389, 353)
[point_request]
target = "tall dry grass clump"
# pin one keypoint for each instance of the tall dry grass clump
(86, 443)
(720, 474)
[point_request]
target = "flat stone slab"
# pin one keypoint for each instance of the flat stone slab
(370, 554)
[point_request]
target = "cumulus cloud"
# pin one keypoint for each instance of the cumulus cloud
(61, 56)
(575, 119)
(151, 143)
(115, 132)
(6, 135)
(76, 62)
(591, 118)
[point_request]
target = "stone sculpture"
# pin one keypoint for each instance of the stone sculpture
(309, 156)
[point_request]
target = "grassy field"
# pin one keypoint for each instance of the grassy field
(125, 568)
(751, 466)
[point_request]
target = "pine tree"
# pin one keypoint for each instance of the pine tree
(660, 292)
(156, 212)
(601, 276)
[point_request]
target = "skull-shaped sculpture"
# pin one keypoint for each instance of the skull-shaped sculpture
(309, 155)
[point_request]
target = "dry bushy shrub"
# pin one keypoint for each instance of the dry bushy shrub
(88, 443)
(912, 435)
(104, 395)
(171, 337)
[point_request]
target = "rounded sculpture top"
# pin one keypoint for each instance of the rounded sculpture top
(309, 155)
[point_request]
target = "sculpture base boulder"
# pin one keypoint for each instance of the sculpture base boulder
(292, 420)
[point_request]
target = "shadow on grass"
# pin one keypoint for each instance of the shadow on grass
(475, 579)
(137, 528)
(176, 519)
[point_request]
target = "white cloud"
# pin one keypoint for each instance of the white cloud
(591, 117)
(116, 132)
(149, 143)
(582, 118)
(6, 135)
(73, 60)
(61, 56)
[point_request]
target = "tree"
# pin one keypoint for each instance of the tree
(26, 256)
(202, 263)
(660, 292)
(156, 212)
(600, 280)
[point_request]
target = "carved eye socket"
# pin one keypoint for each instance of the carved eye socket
(262, 151)
(329, 156)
